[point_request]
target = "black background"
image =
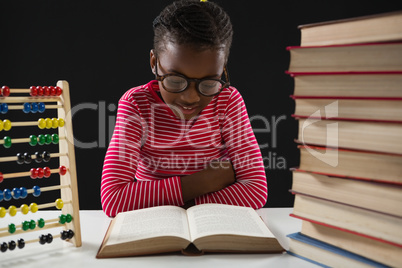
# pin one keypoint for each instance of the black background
(102, 49)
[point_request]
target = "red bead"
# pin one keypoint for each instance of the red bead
(34, 173)
(5, 91)
(46, 91)
(46, 172)
(40, 90)
(1, 177)
(52, 91)
(62, 170)
(58, 91)
(41, 173)
(34, 91)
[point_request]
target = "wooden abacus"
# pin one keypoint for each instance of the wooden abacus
(33, 100)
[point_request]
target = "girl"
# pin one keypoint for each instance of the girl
(184, 138)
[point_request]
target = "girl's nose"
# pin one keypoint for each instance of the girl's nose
(190, 95)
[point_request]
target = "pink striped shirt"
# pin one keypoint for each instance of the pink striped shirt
(151, 148)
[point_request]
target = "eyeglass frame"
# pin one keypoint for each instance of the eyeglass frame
(225, 84)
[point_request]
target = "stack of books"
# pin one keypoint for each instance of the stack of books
(348, 103)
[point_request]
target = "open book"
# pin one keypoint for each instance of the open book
(199, 229)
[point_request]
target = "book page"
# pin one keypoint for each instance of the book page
(147, 223)
(213, 219)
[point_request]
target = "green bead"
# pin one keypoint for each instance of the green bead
(41, 139)
(48, 139)
(41, 223)
(55, 139)
(11, 228)
(7, 142)
(62, 219)
(33, 140)
(25, 225)
(69, 218)
(32, 224)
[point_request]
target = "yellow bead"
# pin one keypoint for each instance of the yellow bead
(33, 207)
(3, 212)
(24, 209)
(59, 204)
(55, 123)
(61, 122)
(12, 210)
(41, 123)
(6, 124)
(1, 125)
(49, 123)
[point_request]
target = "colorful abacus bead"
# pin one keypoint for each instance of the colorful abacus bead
(41, 223)
(46, 172)
(36, 191)
(33, 207)
(62, 170)
(41, 107)
(11, 228)
(7, 195)
(33, 91)
(39, 90)
(3, 212)
(27, 158)
(38, 157)
(12, 210)
(7, 125)
(24, 209)
(7, 142)
(5, 91)
(64, 235)
(3, 108)
(16, 193)
(1, 177)
(55, 138)
(34, 107)
(59, 91)
(41, 139)
(24, 192)
(1, 196)
(59, 203)
(41, 123)
(34, 173)
(33, 140)
(25, 226)
(26, 108)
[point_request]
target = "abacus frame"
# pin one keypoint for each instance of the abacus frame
(68, 182)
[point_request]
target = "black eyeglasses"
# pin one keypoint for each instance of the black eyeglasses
(176, 83)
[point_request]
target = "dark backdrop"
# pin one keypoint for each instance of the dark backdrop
(102, 49)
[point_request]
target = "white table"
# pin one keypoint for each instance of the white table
(60, 254)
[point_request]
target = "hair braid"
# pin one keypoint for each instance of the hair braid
(202, 25)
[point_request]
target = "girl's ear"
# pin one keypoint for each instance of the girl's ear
(152, 61)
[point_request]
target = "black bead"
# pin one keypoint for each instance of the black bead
(27, 158)
(42, 239)
(70, 234)
(21, 243)
(63, 235)
(12, 245)
(20, 158)
(49, 238)
(46, 156)
(38, 158)
(3, 247)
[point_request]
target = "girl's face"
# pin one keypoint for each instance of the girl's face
(181, 59)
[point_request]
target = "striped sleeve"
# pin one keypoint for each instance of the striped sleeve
(120, 190)
(250, 188)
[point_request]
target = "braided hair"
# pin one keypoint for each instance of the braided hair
(200, 25)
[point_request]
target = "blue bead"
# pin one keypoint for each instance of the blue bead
(24, 192)
(1, 196)
(7, 195)
(3, 108)
(36, 191)
(42, 107)
(34, 107)
(16, 193)
(27, 107)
